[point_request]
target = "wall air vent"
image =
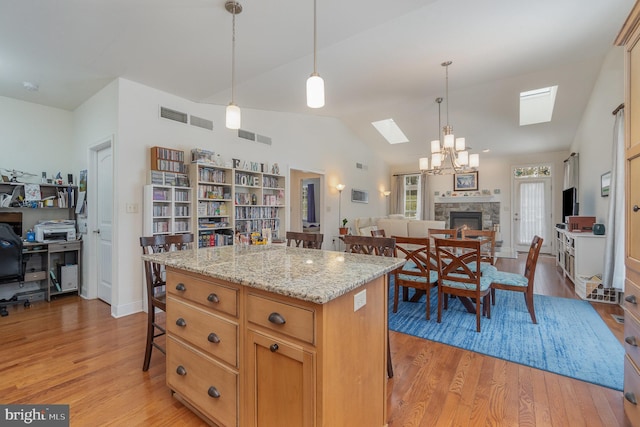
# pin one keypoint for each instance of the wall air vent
(263, 139)
(246, 135)
(362, 166)
(176, 116)
(252, 136)
(200, 122)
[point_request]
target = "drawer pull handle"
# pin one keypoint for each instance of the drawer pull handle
(277, 318)
(636, 208)
(180, 287)
(181, 371)
(213, 392)
(631, 341)
(273, 348)
(213, 338)
(631, 397)
(631, 299)
(213, 298)
(181, 322)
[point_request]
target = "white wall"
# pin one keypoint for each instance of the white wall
(299, 141)
(35, 139)
(594, 138)
(95, 121)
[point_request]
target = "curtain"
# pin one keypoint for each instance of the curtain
(311, 204)
(571, 170)
(397, 196)
(424, 197)
(613, 275)
(532, 211)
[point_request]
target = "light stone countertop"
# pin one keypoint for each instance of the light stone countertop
(307, 274)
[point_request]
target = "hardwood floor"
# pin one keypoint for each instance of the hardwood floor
(71, 351)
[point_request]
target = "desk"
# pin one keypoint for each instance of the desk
(56, 265)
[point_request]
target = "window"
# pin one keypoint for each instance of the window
(412, 196)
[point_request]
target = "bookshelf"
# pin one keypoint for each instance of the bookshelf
(213, 204)
(167, 209)
(230, 202)
(168, 160)
(259, 202)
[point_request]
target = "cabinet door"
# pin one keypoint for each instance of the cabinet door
(281, 380)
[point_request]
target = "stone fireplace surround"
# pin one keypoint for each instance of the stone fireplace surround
(490, 211)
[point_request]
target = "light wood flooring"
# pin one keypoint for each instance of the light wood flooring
(72, 351)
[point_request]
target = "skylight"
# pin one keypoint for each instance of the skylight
(390, 130)
(536, 106)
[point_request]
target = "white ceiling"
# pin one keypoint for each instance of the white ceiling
(379, 59)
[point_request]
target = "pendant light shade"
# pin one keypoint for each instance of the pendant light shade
(315, 91)
(233, 118)
(233, 115)
(424, 163)
(315, 84)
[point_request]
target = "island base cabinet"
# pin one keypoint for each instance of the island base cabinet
(208, 386)
(281, 383)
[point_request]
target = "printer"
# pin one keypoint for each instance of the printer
(55, 230)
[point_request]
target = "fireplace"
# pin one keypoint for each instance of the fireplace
(473, 220)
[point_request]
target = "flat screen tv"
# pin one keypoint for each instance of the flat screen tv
(569, 203)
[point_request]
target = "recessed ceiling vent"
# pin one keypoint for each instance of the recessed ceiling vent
(201, 123)
(252, 136)
(176, 116)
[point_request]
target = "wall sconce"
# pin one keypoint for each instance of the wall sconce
(386, 193)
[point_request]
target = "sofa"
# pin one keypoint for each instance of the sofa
(395, 225)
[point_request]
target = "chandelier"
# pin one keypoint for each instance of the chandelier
(449, 155)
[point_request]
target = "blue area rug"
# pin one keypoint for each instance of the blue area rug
(570, 338)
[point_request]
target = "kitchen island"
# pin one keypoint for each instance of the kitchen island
(278, 336)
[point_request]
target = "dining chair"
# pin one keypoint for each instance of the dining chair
(156, 284)
(369, 245)
(521, 282)
(380, 246)
(378, 233)
(307, 240)
(418, 271)
(456, 277)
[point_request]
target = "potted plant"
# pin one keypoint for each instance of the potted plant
(344, 229)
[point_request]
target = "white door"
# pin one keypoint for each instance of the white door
(532, 213)
(104, 209)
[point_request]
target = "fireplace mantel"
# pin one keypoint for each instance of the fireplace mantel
(463, 199)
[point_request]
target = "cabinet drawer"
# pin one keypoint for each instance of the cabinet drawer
(199, 379)
(632, 337)
(205, 292)
(631, 391)
(631, 301)
(211, 333)
(63, 247)
(298, 321)
(34, 276)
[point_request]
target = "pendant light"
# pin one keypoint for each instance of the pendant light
(233, 117)
(315, 84)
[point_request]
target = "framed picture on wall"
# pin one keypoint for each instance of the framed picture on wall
(467, 181)
(605, 182)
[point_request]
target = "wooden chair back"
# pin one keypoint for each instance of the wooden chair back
(156, 283)
(532, 259)
(456, 277)
(369, 245)
(487, 240)
(307, 240)
(418, 272)
(378, 233)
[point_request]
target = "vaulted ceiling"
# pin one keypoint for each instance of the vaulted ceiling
(379, 59)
